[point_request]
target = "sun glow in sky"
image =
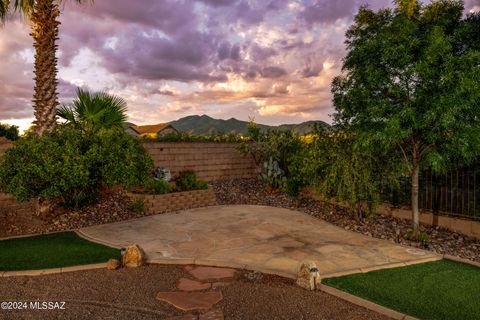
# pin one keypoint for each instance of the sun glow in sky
(272, 60)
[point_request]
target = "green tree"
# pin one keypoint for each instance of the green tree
(95, 111)
(411, 80)
(43, 15)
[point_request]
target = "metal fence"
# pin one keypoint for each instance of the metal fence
(455, 193)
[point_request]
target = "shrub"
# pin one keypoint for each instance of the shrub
(187, 180)
(190, 137)
(273, 176)
(9, 132)
(157, 186)
(137, 205)
(69, 165)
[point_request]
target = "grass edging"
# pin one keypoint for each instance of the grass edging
(365, 303)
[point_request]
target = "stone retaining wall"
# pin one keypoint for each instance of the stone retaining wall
(210, 160)
(176, 201)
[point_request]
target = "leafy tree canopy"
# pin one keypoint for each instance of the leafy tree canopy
(411, 80)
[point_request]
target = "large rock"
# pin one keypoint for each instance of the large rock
(113, 264)
(133, 257)
(308, 276)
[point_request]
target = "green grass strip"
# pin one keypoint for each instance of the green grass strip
(437, 290)
(55, 250)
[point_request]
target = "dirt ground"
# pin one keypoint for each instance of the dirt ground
(130, 294)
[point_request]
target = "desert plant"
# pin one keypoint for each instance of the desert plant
(157, 186)
(137, 205)
(273, 176)
(160, 173)
(187, 180)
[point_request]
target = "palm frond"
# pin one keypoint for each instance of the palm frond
(67, 113)
(97, 111)
(25, 7)
(4, 9)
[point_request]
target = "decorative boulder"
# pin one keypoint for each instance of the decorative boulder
(113, 264)
(133, 257)
(308, 276)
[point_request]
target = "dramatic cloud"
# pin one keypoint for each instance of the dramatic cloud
(271, 59)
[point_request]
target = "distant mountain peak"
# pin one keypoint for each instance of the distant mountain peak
(205, 124)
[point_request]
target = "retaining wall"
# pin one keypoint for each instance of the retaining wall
(464, 226)
(177, 201)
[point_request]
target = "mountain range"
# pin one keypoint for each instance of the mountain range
(207, 125)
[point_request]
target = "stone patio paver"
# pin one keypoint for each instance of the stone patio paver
(185, 284)
(267, 239)
(211, 273)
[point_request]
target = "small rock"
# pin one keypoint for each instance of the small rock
(113, 264)
(308, 276)
(133, 257)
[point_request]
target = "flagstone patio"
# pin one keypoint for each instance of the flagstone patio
(267, 239)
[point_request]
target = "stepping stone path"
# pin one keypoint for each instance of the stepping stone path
(192, 285)
(208, 273)
(187, 299)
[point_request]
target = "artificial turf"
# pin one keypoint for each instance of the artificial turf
(55, 250)
(437, 290)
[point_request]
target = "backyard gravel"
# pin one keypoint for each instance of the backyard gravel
(443, 241)
(130, 294)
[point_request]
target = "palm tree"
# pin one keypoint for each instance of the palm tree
(43, 14)
(95, 111)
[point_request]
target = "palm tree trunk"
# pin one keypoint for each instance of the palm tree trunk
(45, 35)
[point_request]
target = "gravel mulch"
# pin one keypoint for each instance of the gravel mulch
(112, 206)
(130, 294)
(440, 240)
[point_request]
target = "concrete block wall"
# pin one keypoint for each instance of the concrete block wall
(467, 227)
(210, 161)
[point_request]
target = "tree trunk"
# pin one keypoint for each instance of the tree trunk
(45, 35)
(415, 212)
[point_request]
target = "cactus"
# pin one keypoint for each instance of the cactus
(160, 173)
(273, 176)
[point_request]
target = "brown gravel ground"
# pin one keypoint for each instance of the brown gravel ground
(130, 294)
(112, 206)
(443, 241)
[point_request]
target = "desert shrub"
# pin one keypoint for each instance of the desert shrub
(187, 180)
(191, 137)
(273, 176)
(9, 132)
(137, 205)
(272, 149)
(157, 186)
(71, 166)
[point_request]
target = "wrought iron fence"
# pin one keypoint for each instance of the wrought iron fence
(455, 192)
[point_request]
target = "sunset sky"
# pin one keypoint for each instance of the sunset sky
(273, 60)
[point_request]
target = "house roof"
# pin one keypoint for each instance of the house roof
(151, 128)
